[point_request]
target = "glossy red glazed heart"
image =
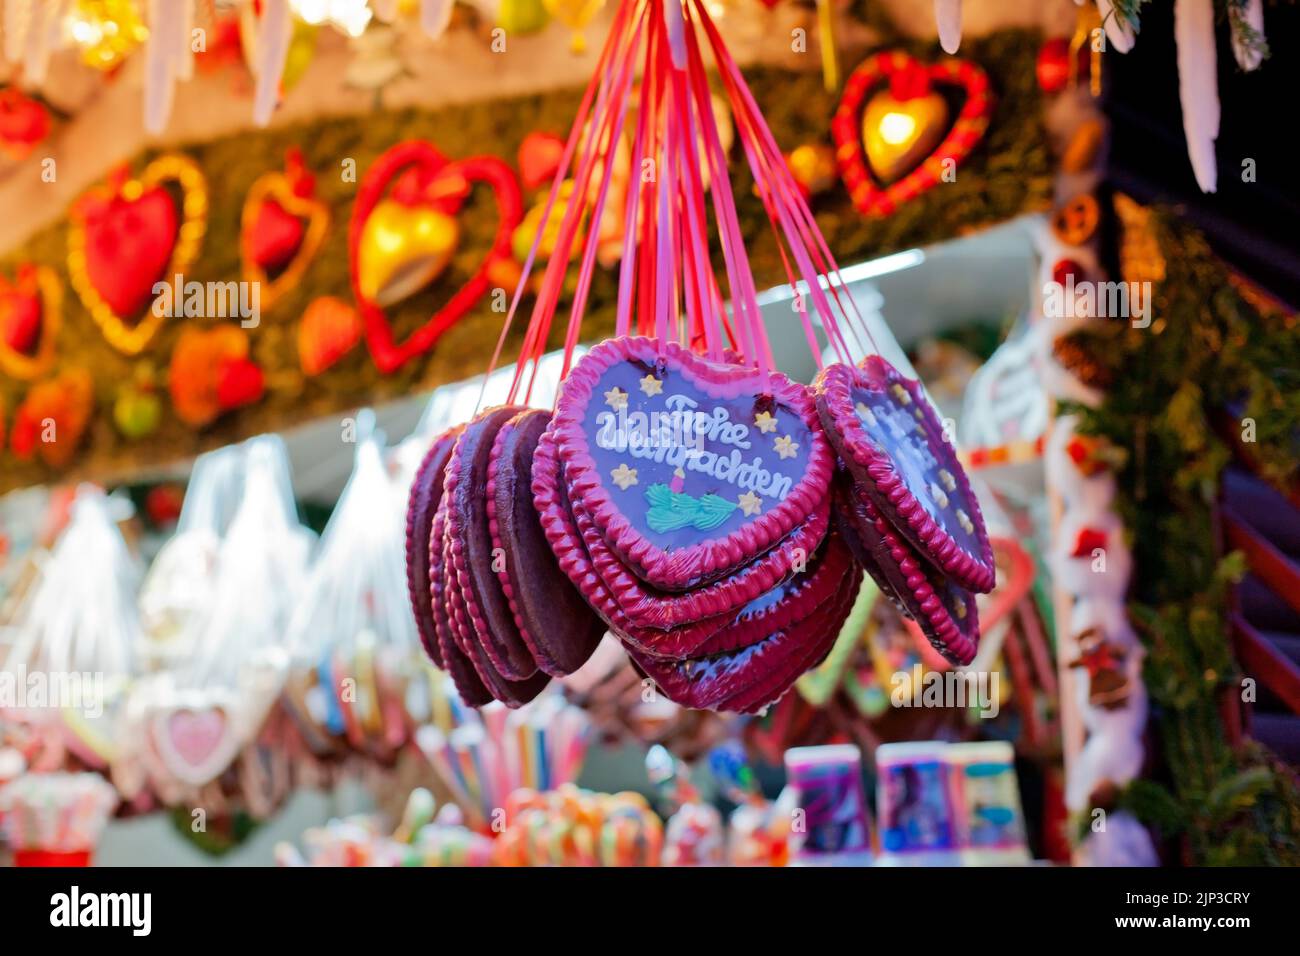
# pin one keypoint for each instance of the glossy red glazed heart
(275, 236)
(389, 354)
(129, 243)
(20, 321)
(731, 461)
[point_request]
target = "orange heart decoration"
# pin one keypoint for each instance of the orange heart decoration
(327, 331)
(30, 311)
(108, 214)
(281, 202)
(204, 360)
(897, 95)
(52, 419)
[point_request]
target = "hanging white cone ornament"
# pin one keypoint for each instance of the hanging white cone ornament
(273, 34)
(1247, 21)
(32, 32)
(1198, 86)
(1118, 33)
(185, 43)
(386, 11)
(165, 53)
(947, 14)
(435, 17)
(17, 17)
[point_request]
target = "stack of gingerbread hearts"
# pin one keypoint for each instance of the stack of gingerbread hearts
(688, 501)
(491, 604)
(904, 503)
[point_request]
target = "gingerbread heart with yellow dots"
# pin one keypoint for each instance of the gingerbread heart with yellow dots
(129, 235)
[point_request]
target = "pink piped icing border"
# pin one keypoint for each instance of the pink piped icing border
(711, 557)
(875, 468)
(571, 537)
(544, 662)
(946, 637)
(456, 662)
(721, 597)
(418, 588)
(465, 589)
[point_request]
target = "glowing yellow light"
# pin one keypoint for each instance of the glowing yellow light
(897, 128)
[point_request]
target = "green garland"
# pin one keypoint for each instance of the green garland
(1009, 174)
(1206, 348)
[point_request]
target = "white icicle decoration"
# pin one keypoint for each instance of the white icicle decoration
(163, 50)
(1120, 35)
(17, 21)
(947, 14)
(272, 47)
(435, 17)
(185, 49)
(36, 56)
(1198, 86)
(1248, 55)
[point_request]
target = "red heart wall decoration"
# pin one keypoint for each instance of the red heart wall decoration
(29, 321)
(282, 227)
(446, 184)
(128, 235)
(893, 73)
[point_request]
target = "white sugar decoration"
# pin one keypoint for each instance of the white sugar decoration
(947, 14)
(1198, 86)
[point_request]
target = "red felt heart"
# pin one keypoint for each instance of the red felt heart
(276, 236)
(128, 245)
(239, 382)
(539, 158)
(20, 321)
(24, 122)
(388, 354)
(880, 71)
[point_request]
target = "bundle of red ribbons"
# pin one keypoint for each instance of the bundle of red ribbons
(684, 495)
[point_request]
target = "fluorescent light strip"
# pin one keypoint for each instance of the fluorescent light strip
(873, 268)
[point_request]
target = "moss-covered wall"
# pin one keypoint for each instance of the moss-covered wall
(1010, 173)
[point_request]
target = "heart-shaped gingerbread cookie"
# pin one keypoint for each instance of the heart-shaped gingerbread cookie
(891, 441)
(688, 469)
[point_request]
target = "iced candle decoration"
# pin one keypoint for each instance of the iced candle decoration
(55, 819)
(830, 826)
